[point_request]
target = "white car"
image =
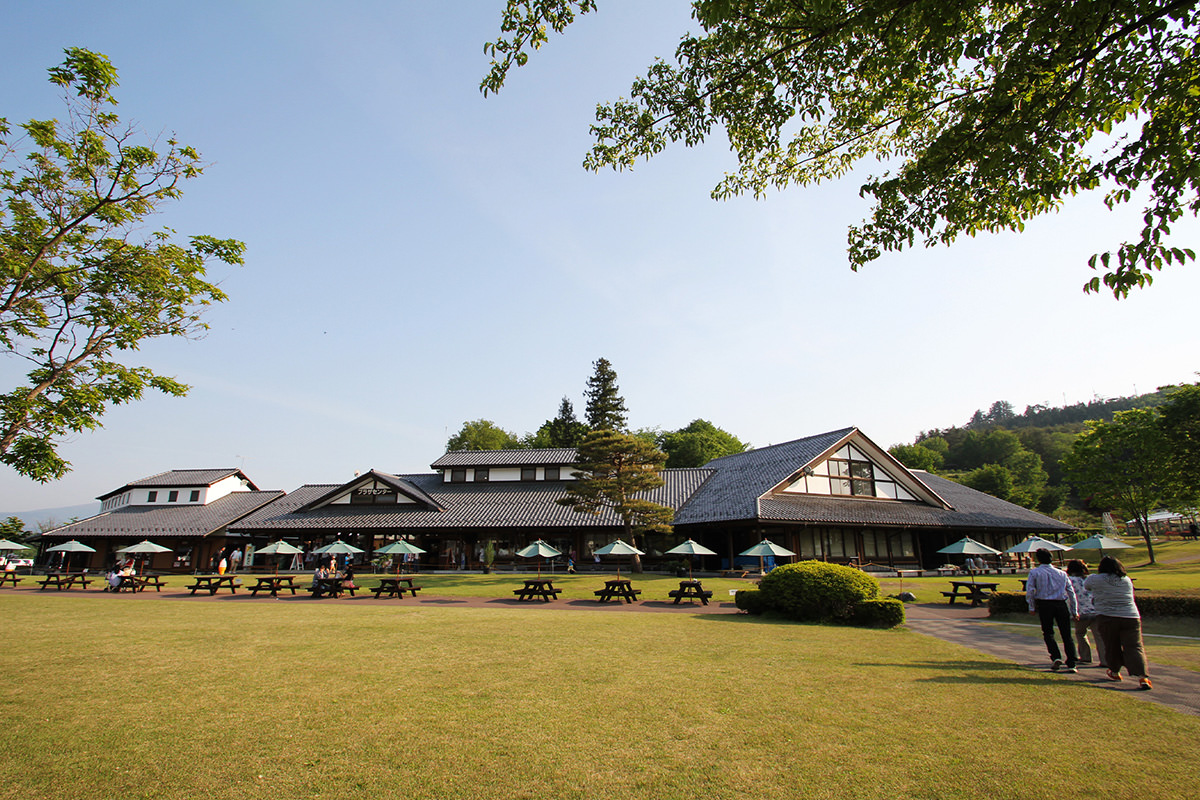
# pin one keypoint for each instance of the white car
(20, 562)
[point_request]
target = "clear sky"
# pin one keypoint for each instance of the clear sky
(419, 256)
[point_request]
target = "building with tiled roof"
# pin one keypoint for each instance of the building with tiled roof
(187, 510)
(835, 496)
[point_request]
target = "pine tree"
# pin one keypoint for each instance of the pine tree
(614, 471)
(565, 430)
(605, 406)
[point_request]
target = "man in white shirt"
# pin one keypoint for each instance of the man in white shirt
(1050, 595)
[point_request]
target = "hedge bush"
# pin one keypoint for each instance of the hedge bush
(813, 591)
(1150, 604)
(750, 600)
(886, 612)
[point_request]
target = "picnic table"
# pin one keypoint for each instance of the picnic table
(617, 589)
(331, 587)
(976, 592)
(395, 587)
(691, 590)
(272, 584)
(10, 576)
(211, 583)
(138, 583)
(535, 588)
(65, 580)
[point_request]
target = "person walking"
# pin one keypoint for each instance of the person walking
(1049, 595)
(1120, 622)
(1087, 619)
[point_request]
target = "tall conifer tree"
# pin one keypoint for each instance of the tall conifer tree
(605, 406)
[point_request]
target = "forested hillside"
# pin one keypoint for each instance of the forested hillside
(1017, 457)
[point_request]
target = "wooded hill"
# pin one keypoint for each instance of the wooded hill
(1016, 456)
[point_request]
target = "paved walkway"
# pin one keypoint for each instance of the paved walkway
(1173, 687)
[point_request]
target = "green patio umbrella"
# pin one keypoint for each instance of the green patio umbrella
(539, 550)
(400, 548)
(279, 548)
(1033, 543)
(338, 548)
(5, 544)
(691, 548)
(619, 548)
(68, 548)
(763, 549)
(968, 546)
(1098, 541)
(143, 547)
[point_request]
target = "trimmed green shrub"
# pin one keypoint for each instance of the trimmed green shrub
(813, 591)
(1150, 604)
(750, 601)
(1007, 603)
(886, 612)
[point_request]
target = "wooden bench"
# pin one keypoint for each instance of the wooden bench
(156, 581)
(8, 576)
(734, 573)
(690, 590)
(331, 587)
(210, 583)
(542, 588)
(273, 584)
(64, 581)
(617, 590)
(395, 587)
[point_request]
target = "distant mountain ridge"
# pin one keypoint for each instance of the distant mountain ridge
(61, 515)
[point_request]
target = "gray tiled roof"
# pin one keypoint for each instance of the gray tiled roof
(180, 478)
(156, 522)
(740, 479)
(542, 457)
(402, 486)
(498, 504)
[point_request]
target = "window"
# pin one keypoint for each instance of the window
(851, 477)
(458, 475)
(481, 474)
(173, 496)
(195, 496)
(529, 473)
(552, 473)
(152, 497)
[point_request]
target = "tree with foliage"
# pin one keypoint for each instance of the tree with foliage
(562, 431)
(917, 456)
(482, 434)
(699, 443)
(81, 281)
(1180, 420)
(605, 406)
(1126, 464)
(614, 471)
(986, 114)
(13, 529)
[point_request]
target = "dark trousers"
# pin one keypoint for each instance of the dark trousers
(1051, 613)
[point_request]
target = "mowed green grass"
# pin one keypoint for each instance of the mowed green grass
(158, 697)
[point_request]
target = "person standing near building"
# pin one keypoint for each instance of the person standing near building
(1120, 622)
(1049, 595)
(235, 559)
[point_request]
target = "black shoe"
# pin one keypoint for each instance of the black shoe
(1057, 665)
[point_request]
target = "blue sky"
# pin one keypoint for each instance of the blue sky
(419, 256)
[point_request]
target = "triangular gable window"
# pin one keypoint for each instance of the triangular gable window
(849, 473)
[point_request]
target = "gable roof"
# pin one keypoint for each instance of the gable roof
(155, 522)
(539, 457)
(497, 504)
(402, 486)
(180, 478)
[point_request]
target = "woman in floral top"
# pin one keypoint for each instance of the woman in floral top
(1076, 572)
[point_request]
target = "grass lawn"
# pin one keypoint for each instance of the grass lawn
(156, 697)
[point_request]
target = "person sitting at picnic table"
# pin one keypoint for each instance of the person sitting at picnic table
(114, 580)
(348, 577)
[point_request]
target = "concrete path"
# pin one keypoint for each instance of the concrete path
(1173, 687)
